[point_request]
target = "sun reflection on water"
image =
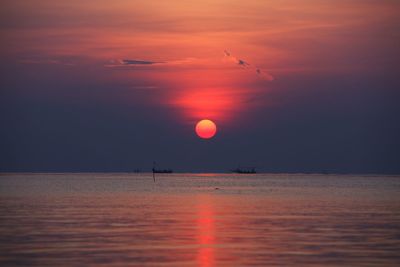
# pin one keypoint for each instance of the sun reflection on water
(205, 233)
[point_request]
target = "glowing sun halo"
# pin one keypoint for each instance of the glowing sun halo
(206, 129)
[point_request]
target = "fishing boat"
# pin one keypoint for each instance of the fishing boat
(244, 170)
(157, 170)
(162, 170)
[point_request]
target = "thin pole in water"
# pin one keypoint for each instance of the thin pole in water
(154, 174)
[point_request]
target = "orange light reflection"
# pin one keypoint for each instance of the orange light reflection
(206, 233)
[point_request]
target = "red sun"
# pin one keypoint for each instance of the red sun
(206, 129)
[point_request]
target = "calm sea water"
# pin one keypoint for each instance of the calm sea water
(199, 220)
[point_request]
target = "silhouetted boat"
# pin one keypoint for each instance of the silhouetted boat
(244, 170)
(155, 170)
(162, 170)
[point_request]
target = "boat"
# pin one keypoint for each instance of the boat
(162, 170)
(155, 170)
(244, 170)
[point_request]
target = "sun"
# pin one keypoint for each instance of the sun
(206, 129)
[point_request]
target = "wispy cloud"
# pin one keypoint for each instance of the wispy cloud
(131, 62)
(173, 63)
(138, 62)
(242, 63)
(200, 63)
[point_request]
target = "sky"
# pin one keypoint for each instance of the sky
(293, 86)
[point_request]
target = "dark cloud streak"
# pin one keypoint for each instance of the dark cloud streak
(247, 65)
(139, 62)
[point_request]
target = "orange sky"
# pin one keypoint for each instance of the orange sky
(187, 40)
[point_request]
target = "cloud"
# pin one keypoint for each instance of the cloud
(191, 62)
(131, 62)
(264, 75)
(242, 63)
(138, 62)
(174, 63)
(261, 73)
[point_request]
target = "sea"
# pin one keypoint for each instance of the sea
(129, 219)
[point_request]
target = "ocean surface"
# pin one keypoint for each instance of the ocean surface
(124, 219)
